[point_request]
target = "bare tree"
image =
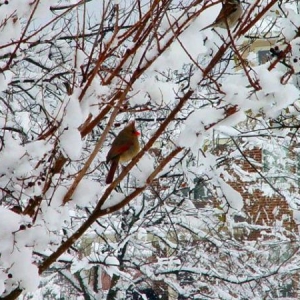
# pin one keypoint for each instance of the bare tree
(72, 75)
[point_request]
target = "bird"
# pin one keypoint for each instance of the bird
(229, 15)
(124, 147)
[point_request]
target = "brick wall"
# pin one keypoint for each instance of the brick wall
(262, 209)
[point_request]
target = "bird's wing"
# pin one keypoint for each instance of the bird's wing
(116, 151)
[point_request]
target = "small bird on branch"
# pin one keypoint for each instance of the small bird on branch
(229, 15)
(125, 147)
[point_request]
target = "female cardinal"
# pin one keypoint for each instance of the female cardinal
(229, 15)
(125, 147)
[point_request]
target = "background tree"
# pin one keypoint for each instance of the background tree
(72, 75)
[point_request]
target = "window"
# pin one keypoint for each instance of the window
(278, 167)
(263, 56)
(200, 190)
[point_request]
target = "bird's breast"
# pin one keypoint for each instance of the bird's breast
(130, 153)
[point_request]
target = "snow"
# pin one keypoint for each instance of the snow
(78, 265)
(193, 135)
(114, 199)
(70, 137)
(236, 91)
(70, 112)
(5, 78)
(143, 169)
(23, 270)
(86, 193)
(161, 93)
(35, 237)
(233, 198)
(10, 222)
(15, 255)
(296, 216)
(37, 149)
(289, 24)
(295, 57)
(70, 142)
(18, 164)
(269, 81)
(167, 229)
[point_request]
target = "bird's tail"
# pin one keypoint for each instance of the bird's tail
(112, 170)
